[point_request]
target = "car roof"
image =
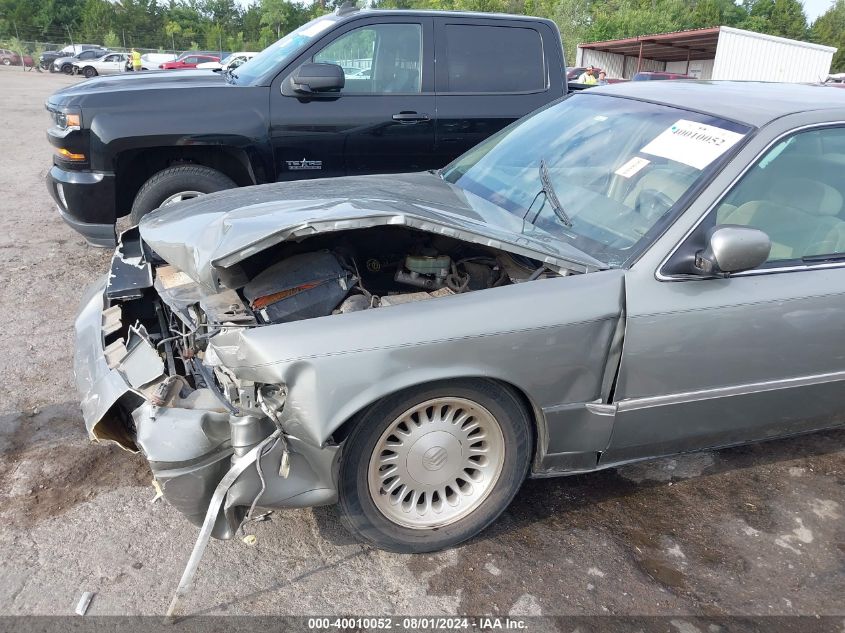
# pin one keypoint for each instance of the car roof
(432, 12)
(751, 102)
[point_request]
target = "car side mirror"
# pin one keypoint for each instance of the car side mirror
(731, 249)
(314, 78)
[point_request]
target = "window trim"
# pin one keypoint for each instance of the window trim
(419, 23)
(792, 266)
(445, 92)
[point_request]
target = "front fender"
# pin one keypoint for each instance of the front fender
(549, 338)
(131, 120)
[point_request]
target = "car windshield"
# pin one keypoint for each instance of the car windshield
(272, 58)
(603, 173)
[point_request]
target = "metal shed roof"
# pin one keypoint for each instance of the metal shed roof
(664, 47)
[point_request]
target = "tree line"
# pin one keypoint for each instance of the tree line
(227, 25)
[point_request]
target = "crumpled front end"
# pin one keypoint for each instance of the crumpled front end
(141, 370)
(203, 363)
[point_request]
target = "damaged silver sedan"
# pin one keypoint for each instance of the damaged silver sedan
(628, 273)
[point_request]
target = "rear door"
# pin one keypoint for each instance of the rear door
(383, 119)
(489, 73)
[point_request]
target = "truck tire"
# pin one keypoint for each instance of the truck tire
(432, 466)
(89, 72)
(175, 184)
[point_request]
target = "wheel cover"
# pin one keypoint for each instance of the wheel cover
(436, 463)
(178, 197)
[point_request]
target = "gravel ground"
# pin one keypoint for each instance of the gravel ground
(756, 530)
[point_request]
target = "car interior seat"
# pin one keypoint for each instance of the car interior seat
(800, 216)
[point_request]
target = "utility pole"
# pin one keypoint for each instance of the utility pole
(123, 32)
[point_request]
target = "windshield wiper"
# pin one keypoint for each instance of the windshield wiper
(551, 196)
(830, 257)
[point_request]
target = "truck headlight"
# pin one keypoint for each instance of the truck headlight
(67, 120)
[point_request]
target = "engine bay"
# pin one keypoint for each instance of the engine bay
(375, 268)
(330, 274)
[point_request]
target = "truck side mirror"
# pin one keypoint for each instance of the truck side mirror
(731, 249)
(316, 78)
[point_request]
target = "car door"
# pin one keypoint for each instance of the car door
(380, 122)
(716, 361)
(488, 74)
(112, 63)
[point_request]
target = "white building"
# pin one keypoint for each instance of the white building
(721, 52)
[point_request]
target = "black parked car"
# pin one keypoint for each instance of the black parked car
(46, 59)
(292, 112)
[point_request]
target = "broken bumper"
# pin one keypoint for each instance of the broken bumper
(189, 450)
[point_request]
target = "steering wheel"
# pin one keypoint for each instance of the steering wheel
(653, 203)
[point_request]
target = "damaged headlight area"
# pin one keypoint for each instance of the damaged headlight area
(150, 382)
(164, 368)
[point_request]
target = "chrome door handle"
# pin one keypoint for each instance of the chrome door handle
(410, 117)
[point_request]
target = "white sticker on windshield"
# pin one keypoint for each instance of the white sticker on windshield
(632, 167)
(316, 28)
(691, 143)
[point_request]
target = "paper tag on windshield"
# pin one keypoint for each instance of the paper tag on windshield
(691, 143)
(632, 167)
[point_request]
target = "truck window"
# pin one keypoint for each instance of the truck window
(494, 59)
(383, 58)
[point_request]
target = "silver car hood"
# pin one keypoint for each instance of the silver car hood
(206, 236)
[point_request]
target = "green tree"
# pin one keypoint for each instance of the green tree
(829, 29)
(111, 40)
(778, 17)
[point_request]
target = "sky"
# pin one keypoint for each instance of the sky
(813, 8)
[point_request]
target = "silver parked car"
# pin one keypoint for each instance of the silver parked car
(637, 270)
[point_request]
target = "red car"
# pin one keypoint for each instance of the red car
(11, 58)
(188, 60)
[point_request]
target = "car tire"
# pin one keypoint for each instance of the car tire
(431, 458)
(89, 72)
(67, 69)
(177, 183)
(7, 62)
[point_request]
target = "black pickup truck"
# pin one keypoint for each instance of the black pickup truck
(355, 92)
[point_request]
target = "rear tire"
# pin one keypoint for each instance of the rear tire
(452, 496)
(175, 183)
(89, 72)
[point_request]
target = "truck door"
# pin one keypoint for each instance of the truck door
(383, 119)
(488, 74)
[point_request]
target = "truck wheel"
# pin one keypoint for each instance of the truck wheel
(89, 72)
(430, 467)
(175, 184)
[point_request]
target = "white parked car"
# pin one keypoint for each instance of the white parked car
(105, 65)
(230, 62)
(151, 61)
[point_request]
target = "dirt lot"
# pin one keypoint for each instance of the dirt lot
(755, 530)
